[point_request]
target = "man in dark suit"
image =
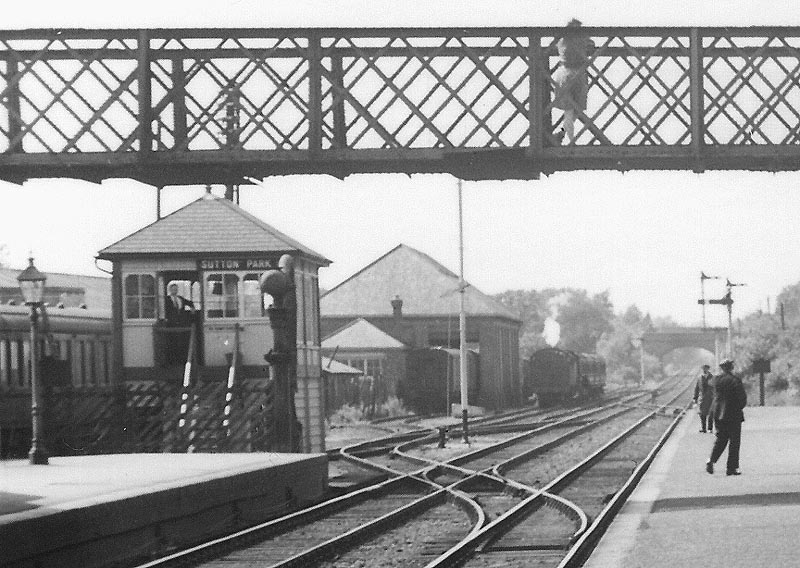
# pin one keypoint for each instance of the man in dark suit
(178, 312)
(728, 411)
(177, 309)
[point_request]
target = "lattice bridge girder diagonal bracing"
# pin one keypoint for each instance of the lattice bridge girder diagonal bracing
(222, 105)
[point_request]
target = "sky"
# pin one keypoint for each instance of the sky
(643, 236)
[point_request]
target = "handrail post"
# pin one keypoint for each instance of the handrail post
(314, 94)
(536, 100)
(11, 101)
(339, 120)
(696, 102)
(179, 105)
(144, 95)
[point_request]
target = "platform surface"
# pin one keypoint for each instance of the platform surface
(69, 482)
(75, 502)
(679, 515)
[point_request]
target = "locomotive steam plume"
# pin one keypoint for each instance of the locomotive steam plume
(552, 329)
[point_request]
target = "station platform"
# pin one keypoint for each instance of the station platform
(104, 510)
(679, 515)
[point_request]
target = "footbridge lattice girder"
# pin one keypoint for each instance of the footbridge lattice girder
(215, 105)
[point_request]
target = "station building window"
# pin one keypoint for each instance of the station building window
(140, 296)
(230, 294)
(370, 366)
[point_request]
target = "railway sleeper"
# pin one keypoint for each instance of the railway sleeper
(526, 547)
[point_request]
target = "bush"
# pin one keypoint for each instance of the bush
(349, 414)
(778, 383)
(346, 414)
(392, 407)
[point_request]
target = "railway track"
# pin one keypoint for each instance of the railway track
(471, 507)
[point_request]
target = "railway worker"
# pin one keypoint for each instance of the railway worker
(728, 411)
(571, 80)
(178, 312)
(703, 397)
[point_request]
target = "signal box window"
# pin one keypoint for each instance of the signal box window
(252, 296)
(140, 296)
(222, 296)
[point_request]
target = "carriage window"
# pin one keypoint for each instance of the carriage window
(253, 298)
(222, 296)
(140, 296)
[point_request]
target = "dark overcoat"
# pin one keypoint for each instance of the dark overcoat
(730, 398)
(704, 393)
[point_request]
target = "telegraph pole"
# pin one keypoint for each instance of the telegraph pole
(462, 320)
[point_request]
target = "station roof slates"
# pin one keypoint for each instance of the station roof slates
(426, 287)
(209, 225)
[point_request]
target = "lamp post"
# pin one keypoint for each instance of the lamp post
(31, 283)
(462, 323)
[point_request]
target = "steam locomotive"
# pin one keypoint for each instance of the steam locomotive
(558, 376)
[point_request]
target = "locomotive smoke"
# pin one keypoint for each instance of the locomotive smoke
(552, 329)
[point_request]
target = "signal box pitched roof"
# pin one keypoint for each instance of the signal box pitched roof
(426, 288)
(209, 225)
(360, 334)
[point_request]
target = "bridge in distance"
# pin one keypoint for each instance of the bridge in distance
(219, 105)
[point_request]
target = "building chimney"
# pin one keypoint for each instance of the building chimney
(397, 307)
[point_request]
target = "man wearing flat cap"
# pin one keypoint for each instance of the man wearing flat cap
(703, 397)
(728, 411)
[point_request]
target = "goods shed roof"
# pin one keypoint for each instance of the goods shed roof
(424, 285)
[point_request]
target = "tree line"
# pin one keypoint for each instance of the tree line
(588, 324)
(775, 337)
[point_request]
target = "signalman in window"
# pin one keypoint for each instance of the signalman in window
(178, 312)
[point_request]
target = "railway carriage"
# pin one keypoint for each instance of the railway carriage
(432, 382)
(76, 372)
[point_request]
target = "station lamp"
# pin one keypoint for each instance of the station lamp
(31, 284)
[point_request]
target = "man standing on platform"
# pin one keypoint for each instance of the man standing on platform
(703, 396)
(728, 411)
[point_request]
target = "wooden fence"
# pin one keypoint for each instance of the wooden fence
(144, 417)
